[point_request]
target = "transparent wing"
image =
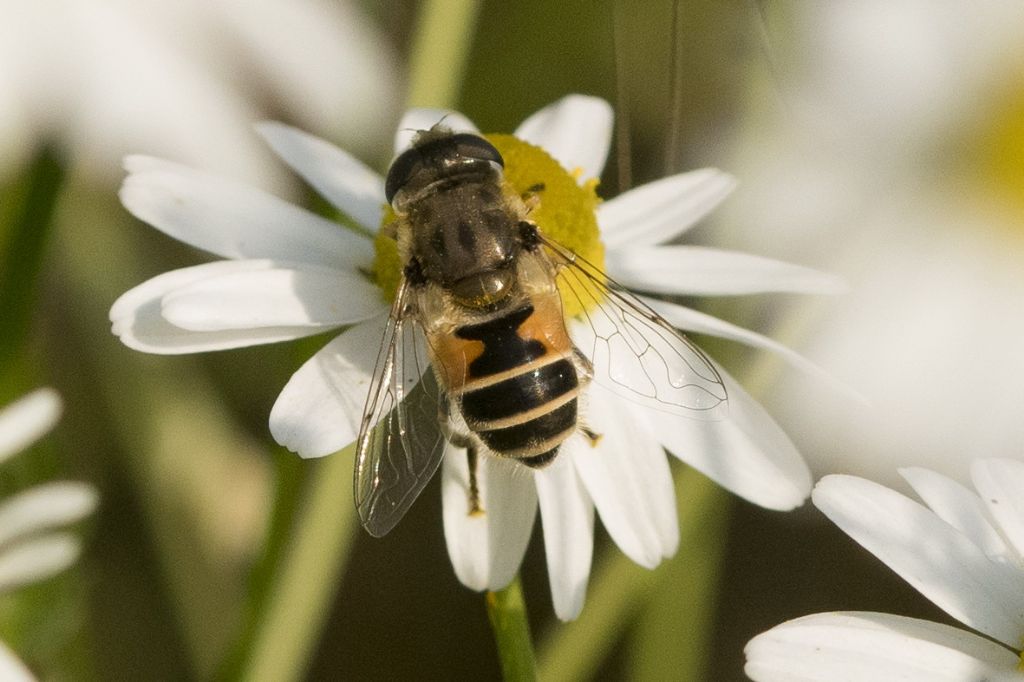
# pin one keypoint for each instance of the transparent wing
(400, 440)
(635, 352)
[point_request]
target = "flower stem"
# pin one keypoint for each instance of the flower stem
(23, 238)
(506, 610)
(294, 600)
(440, 52)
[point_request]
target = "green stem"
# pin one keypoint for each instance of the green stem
(440, 52)
(506, 610)
(298, 600)
(28, 225)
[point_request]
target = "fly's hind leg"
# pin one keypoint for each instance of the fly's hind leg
(585, 372)
(584, 368)
(462, 440)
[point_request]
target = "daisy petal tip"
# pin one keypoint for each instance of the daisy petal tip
(132, 162)
(28, 419)
(268, 127)
(271, 131)
(300, 440)
(569, 609)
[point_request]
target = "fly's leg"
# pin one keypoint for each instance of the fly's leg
(472, 459)
(461, 440)
(584, 368)
(585, 372)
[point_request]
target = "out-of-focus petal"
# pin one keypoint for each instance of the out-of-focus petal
(339, 177)
(419, 119)
(46, 506)
(37, 559)
(704, 271)
(957, 506)
(320, 408)
(576, 130)
(999, 483)
(869, 647)
(662, 210)
(567, 515)
(279, 295)
(233, 220)
(695, 321)
(325, 62)
(137, 318)
(486, 548)
(932, 556)
(746, 452)
(628, 478)
(26, 420)
(11, 667)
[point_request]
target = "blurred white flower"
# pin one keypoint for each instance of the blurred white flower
(185, 77)
(964, 552)
(293, 274)
(33, 546)
(870, 162)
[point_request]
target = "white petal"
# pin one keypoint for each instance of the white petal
(872, 647)
(576, 130)
(11, 667)
(321, 406)
(37, 559)
(628, 478)
(567, 516)
(703, 271)
(702, 323)
(932, 556)
(233, 220)
(746, 453)
(661, 210)
(26, 420)
(957, 506)
(339, 177)
(415, 120)
(281, 295)
(44, 507)
(137, 318)
(486, 549)
(999, 483)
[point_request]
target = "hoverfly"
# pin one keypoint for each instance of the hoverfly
(477, 352)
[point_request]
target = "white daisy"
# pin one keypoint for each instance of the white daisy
(900, 129)
(291, 274)
(964, 552)
(32, 545)
(104, 76)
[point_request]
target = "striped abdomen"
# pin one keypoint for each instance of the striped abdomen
(518, 388)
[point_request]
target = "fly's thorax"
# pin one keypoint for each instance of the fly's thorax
(464, 238)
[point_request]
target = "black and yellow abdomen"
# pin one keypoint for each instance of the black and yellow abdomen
(514, 381)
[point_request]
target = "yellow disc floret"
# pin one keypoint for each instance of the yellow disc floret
(565, 209)
(562, 208)
(387, 263)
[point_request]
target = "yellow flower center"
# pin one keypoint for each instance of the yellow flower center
(562, 208)
(1000, 149)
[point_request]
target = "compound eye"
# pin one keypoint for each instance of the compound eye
(401, 171)
(472, 146)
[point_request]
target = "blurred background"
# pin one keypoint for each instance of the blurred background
(880, 141)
